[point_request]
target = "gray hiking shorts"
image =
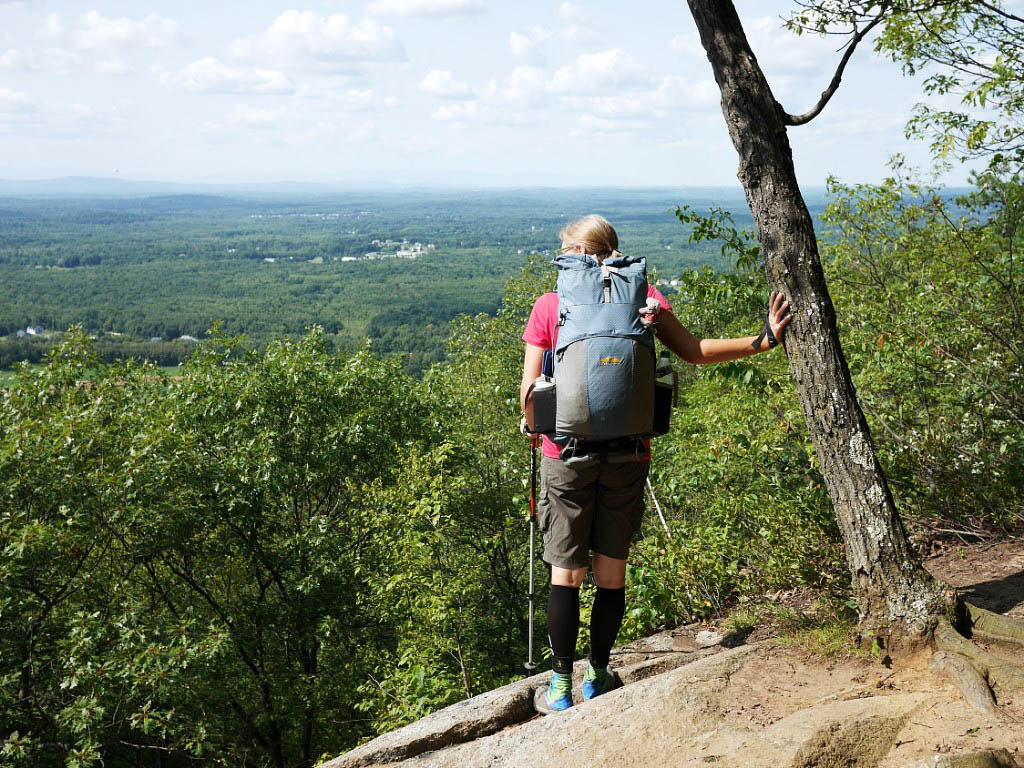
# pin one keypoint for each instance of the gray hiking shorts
(596, 507)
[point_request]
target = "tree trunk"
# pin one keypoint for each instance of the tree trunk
(893, 590)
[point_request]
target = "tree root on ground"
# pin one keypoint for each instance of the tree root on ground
(978, 674)
(992, 626)
(967, 678)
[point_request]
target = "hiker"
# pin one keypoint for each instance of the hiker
(595, 506)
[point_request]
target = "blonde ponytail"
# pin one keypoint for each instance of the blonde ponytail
(594, 234)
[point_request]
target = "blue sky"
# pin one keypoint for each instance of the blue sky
(418, 92)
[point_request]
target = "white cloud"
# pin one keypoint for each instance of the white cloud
(597, 73)
(608, 92)
(590, 125)
(95, 40)
(56, 61)
(21, 115)
(679, 91)
(15, 59)
(465, 111)
(570, 12)
(843, 127)
(303, 37)
(780, 51)
(209, 75)
(115, 65)
(591, 74)
(53, 28)
(15, 102)
(440, 83)
(95, 31)
(797, 68)
(364, 99)
(327, 100)
(255, 117)
(526, 86)
(434, 8)
(579, 28)
(529, 42)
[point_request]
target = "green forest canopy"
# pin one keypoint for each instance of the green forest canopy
(156, 268)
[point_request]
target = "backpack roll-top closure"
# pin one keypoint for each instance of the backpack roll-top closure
(582, 308)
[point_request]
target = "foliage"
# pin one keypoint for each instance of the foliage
(972, 51)
(744, 502)
(281, 552)
(930, 290)
(190, 566)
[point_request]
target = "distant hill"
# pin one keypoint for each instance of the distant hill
(91, 186)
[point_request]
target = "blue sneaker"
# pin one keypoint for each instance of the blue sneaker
(559, 695)
(598, 681)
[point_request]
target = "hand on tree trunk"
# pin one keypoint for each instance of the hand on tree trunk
(775, 323)
(778, 316)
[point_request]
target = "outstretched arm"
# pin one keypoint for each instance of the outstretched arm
(681, 342)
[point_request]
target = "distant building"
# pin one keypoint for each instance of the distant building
(186, 337)
(269, 259)
(33, 330)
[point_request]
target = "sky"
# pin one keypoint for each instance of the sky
(418, 92)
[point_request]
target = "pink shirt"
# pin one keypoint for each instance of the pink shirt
(542, 331)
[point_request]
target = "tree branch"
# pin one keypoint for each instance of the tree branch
(827, 94)
(999, 11)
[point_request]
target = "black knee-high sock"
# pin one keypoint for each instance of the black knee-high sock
(605, 620)
(563, 626)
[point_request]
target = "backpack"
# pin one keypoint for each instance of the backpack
(604, 368)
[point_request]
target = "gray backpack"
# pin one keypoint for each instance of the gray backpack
(604, 360)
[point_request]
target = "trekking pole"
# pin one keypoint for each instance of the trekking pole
(657, 506)
(530, 665)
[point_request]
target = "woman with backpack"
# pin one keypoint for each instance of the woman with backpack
(592, 500)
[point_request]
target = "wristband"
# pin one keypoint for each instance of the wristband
(766, 331)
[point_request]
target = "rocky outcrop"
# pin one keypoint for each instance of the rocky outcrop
(755, 706)
(627, 727)
(468, 720)
(509, 705)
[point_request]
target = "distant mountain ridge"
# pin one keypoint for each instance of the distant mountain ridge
(98, 186)
(95, 186)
